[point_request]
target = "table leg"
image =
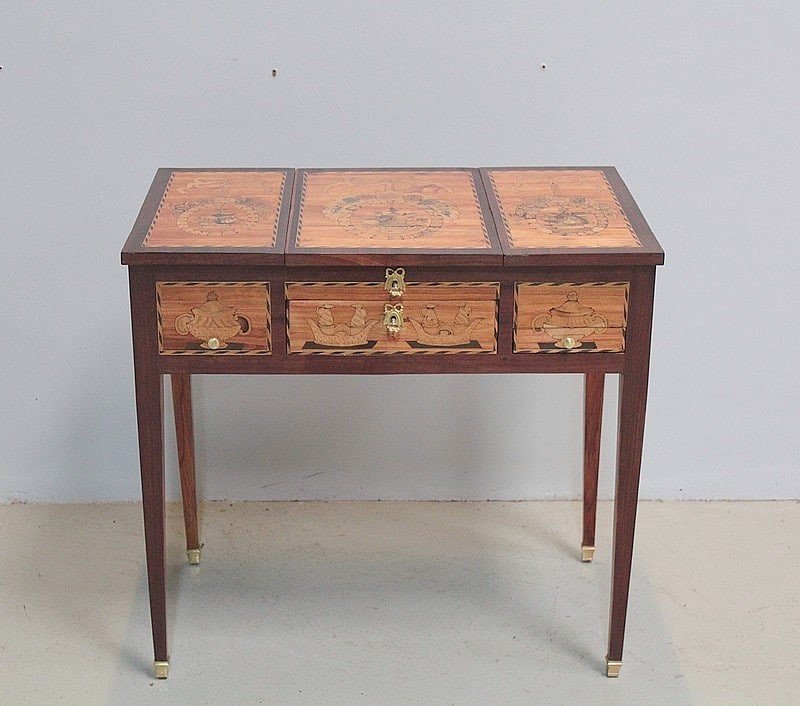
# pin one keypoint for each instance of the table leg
(149, 406)
(150, 422)
(184, 433)
(632, 407)
(592, 420)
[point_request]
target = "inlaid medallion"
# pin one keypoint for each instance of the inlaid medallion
(393, 215)
(217, 218)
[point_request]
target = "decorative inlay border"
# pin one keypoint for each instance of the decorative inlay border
(379, 285)
(159, 209)
(480, 210)
(411, 352)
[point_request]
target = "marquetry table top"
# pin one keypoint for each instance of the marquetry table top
(464, 216)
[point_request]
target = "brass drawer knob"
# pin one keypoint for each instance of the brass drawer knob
(393, 318)
(569, 343)
(395, 281)
(212, 343)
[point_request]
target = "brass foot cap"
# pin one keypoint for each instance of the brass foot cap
(612, 668)
(161, 669)
(193, 555)
(587, 553)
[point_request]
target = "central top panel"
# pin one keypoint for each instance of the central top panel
(391, 217)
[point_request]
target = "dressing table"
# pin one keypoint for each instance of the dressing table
(385, 272)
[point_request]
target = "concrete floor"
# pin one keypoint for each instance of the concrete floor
(401, 603)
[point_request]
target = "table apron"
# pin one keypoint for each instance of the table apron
(280, 362)
(288, 364)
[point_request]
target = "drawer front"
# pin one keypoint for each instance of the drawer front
(350, 318)
(213, 318)
(556, 317)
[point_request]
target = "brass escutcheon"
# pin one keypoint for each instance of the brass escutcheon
(395, 281)
(393, 318)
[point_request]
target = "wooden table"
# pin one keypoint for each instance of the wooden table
(387, 271)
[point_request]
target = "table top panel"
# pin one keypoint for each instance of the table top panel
(391, 211)
(212, 216)
(560, 209)
(218, 209)
(566, 215)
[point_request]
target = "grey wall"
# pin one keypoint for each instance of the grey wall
(695, 103)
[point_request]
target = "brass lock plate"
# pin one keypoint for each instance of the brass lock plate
(393, 318)
(395, 282)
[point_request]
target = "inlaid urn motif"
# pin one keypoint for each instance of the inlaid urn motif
(562, 215)
(214, 323)
(570, 323)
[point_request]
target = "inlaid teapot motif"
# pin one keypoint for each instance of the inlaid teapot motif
(432, 331)
(569, 323)
(213, 323)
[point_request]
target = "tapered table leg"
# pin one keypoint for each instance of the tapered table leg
(632, 407)
(592, 423)
(150, 420)
(184, 433)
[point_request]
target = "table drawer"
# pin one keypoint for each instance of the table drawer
(213, 318)
(556, 317)
(361, 318)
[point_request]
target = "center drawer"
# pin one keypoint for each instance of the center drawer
(363, 318)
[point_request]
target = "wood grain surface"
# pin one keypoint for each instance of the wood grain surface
(390, 209)
(632, 408)
(560, 209)
(594, 384)
(235, 314)
(207, 209)
(184, 436)
(150, 423)
(592, 314)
